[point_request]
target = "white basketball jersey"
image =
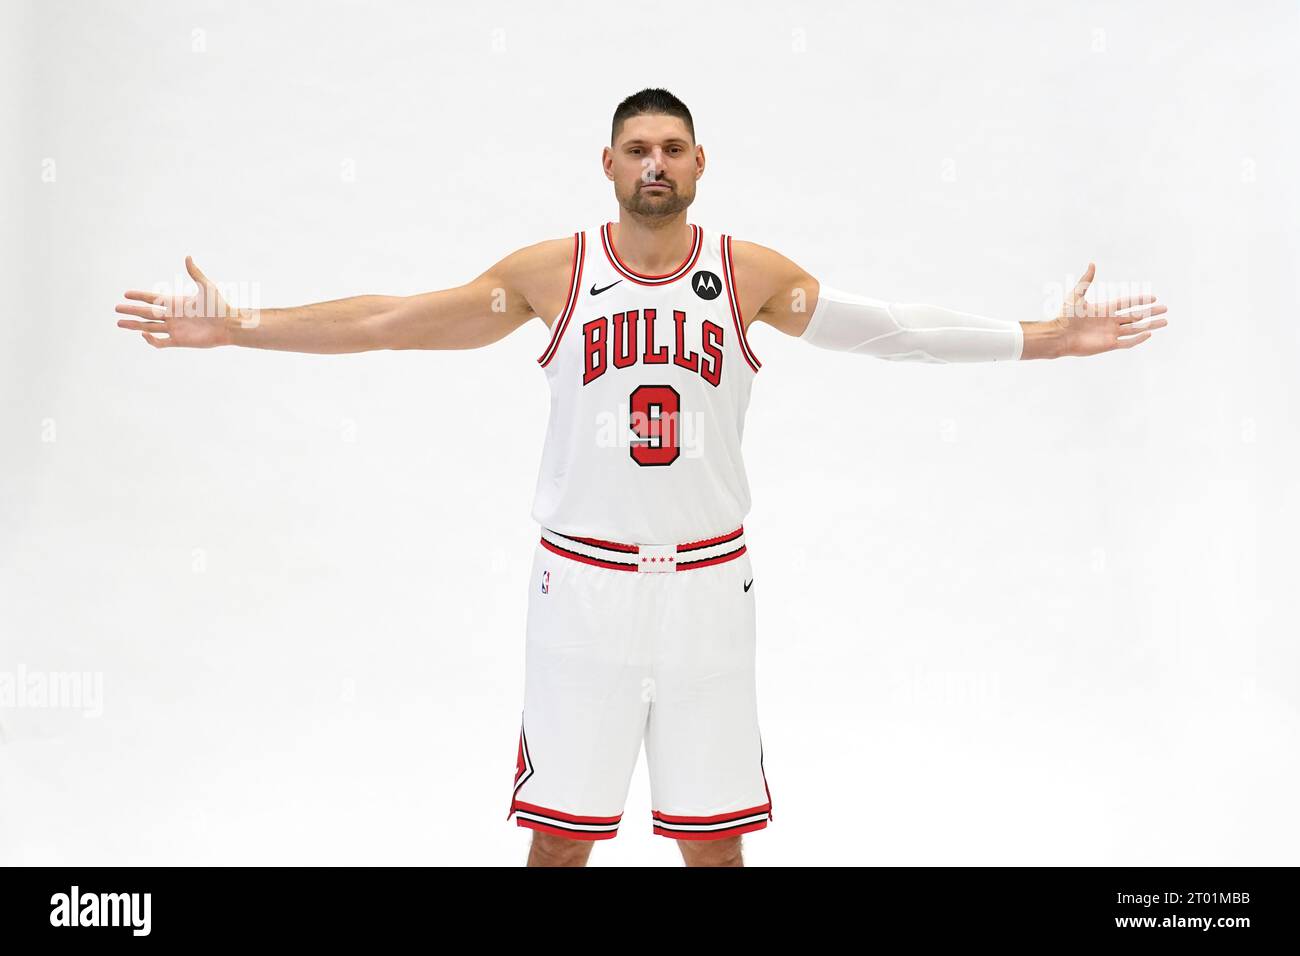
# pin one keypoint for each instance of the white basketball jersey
(650, 379)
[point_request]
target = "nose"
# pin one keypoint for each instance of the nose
(654, 166)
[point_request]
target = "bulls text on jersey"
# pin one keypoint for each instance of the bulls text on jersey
(627, 339)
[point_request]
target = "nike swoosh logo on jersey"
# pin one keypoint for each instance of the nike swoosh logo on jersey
(748, 583)
(595, 291)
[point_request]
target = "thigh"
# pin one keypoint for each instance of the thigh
(703, 743)
(585, 700)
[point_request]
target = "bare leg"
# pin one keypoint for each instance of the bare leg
(547, 849)
(724, 852)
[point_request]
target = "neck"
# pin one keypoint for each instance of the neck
(652, 246)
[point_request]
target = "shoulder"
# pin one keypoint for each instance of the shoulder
(762, 265)
(768, 278)
(756, 255)
(538, 275)
(541, 259)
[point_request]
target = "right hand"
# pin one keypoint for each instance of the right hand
(197, 321)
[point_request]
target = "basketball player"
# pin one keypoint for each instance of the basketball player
(641, 595)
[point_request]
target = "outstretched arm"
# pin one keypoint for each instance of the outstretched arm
(797, 304)
(477, 313)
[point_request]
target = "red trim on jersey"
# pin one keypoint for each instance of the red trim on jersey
(612, 545)
(571, 834)
(706, 542)
(560, 818)
(709, 834)
(621, 267)
(563, 817)
(632, 549)
(729, 279)
(715, 818)
(575, 288)
(729, 556)
(613, 565)
(523, 767)
(719, 834)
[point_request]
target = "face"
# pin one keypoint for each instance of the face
(654, 165)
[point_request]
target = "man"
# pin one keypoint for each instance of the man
(641, 601)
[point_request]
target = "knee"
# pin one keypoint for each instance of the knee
(550, 850)
(724, 852)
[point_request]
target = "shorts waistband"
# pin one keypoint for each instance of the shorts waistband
(619, 556)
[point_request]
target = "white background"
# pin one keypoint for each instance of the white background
(1013, 613)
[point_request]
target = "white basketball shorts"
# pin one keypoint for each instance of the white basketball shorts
(628, 642)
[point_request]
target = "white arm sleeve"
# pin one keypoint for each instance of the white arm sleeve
(903, 331)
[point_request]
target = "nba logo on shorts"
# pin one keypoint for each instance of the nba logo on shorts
(546, 582)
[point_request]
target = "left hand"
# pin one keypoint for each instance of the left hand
(1089, 328)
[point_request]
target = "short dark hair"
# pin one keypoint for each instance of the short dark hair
(650, 100)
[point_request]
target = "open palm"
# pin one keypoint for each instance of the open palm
(1092, 327)
(197, 320)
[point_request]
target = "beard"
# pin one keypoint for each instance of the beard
(656, 204)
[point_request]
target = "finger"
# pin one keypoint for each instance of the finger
(141, 326)
(1134, 340)
(195, 273)
(143, 311)
(1134, 316)
(155, 341)
(1129, 302)
(1134, 329)
(145, 296)
(1085, 280)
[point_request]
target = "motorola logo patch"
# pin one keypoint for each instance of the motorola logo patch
(706, 284)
